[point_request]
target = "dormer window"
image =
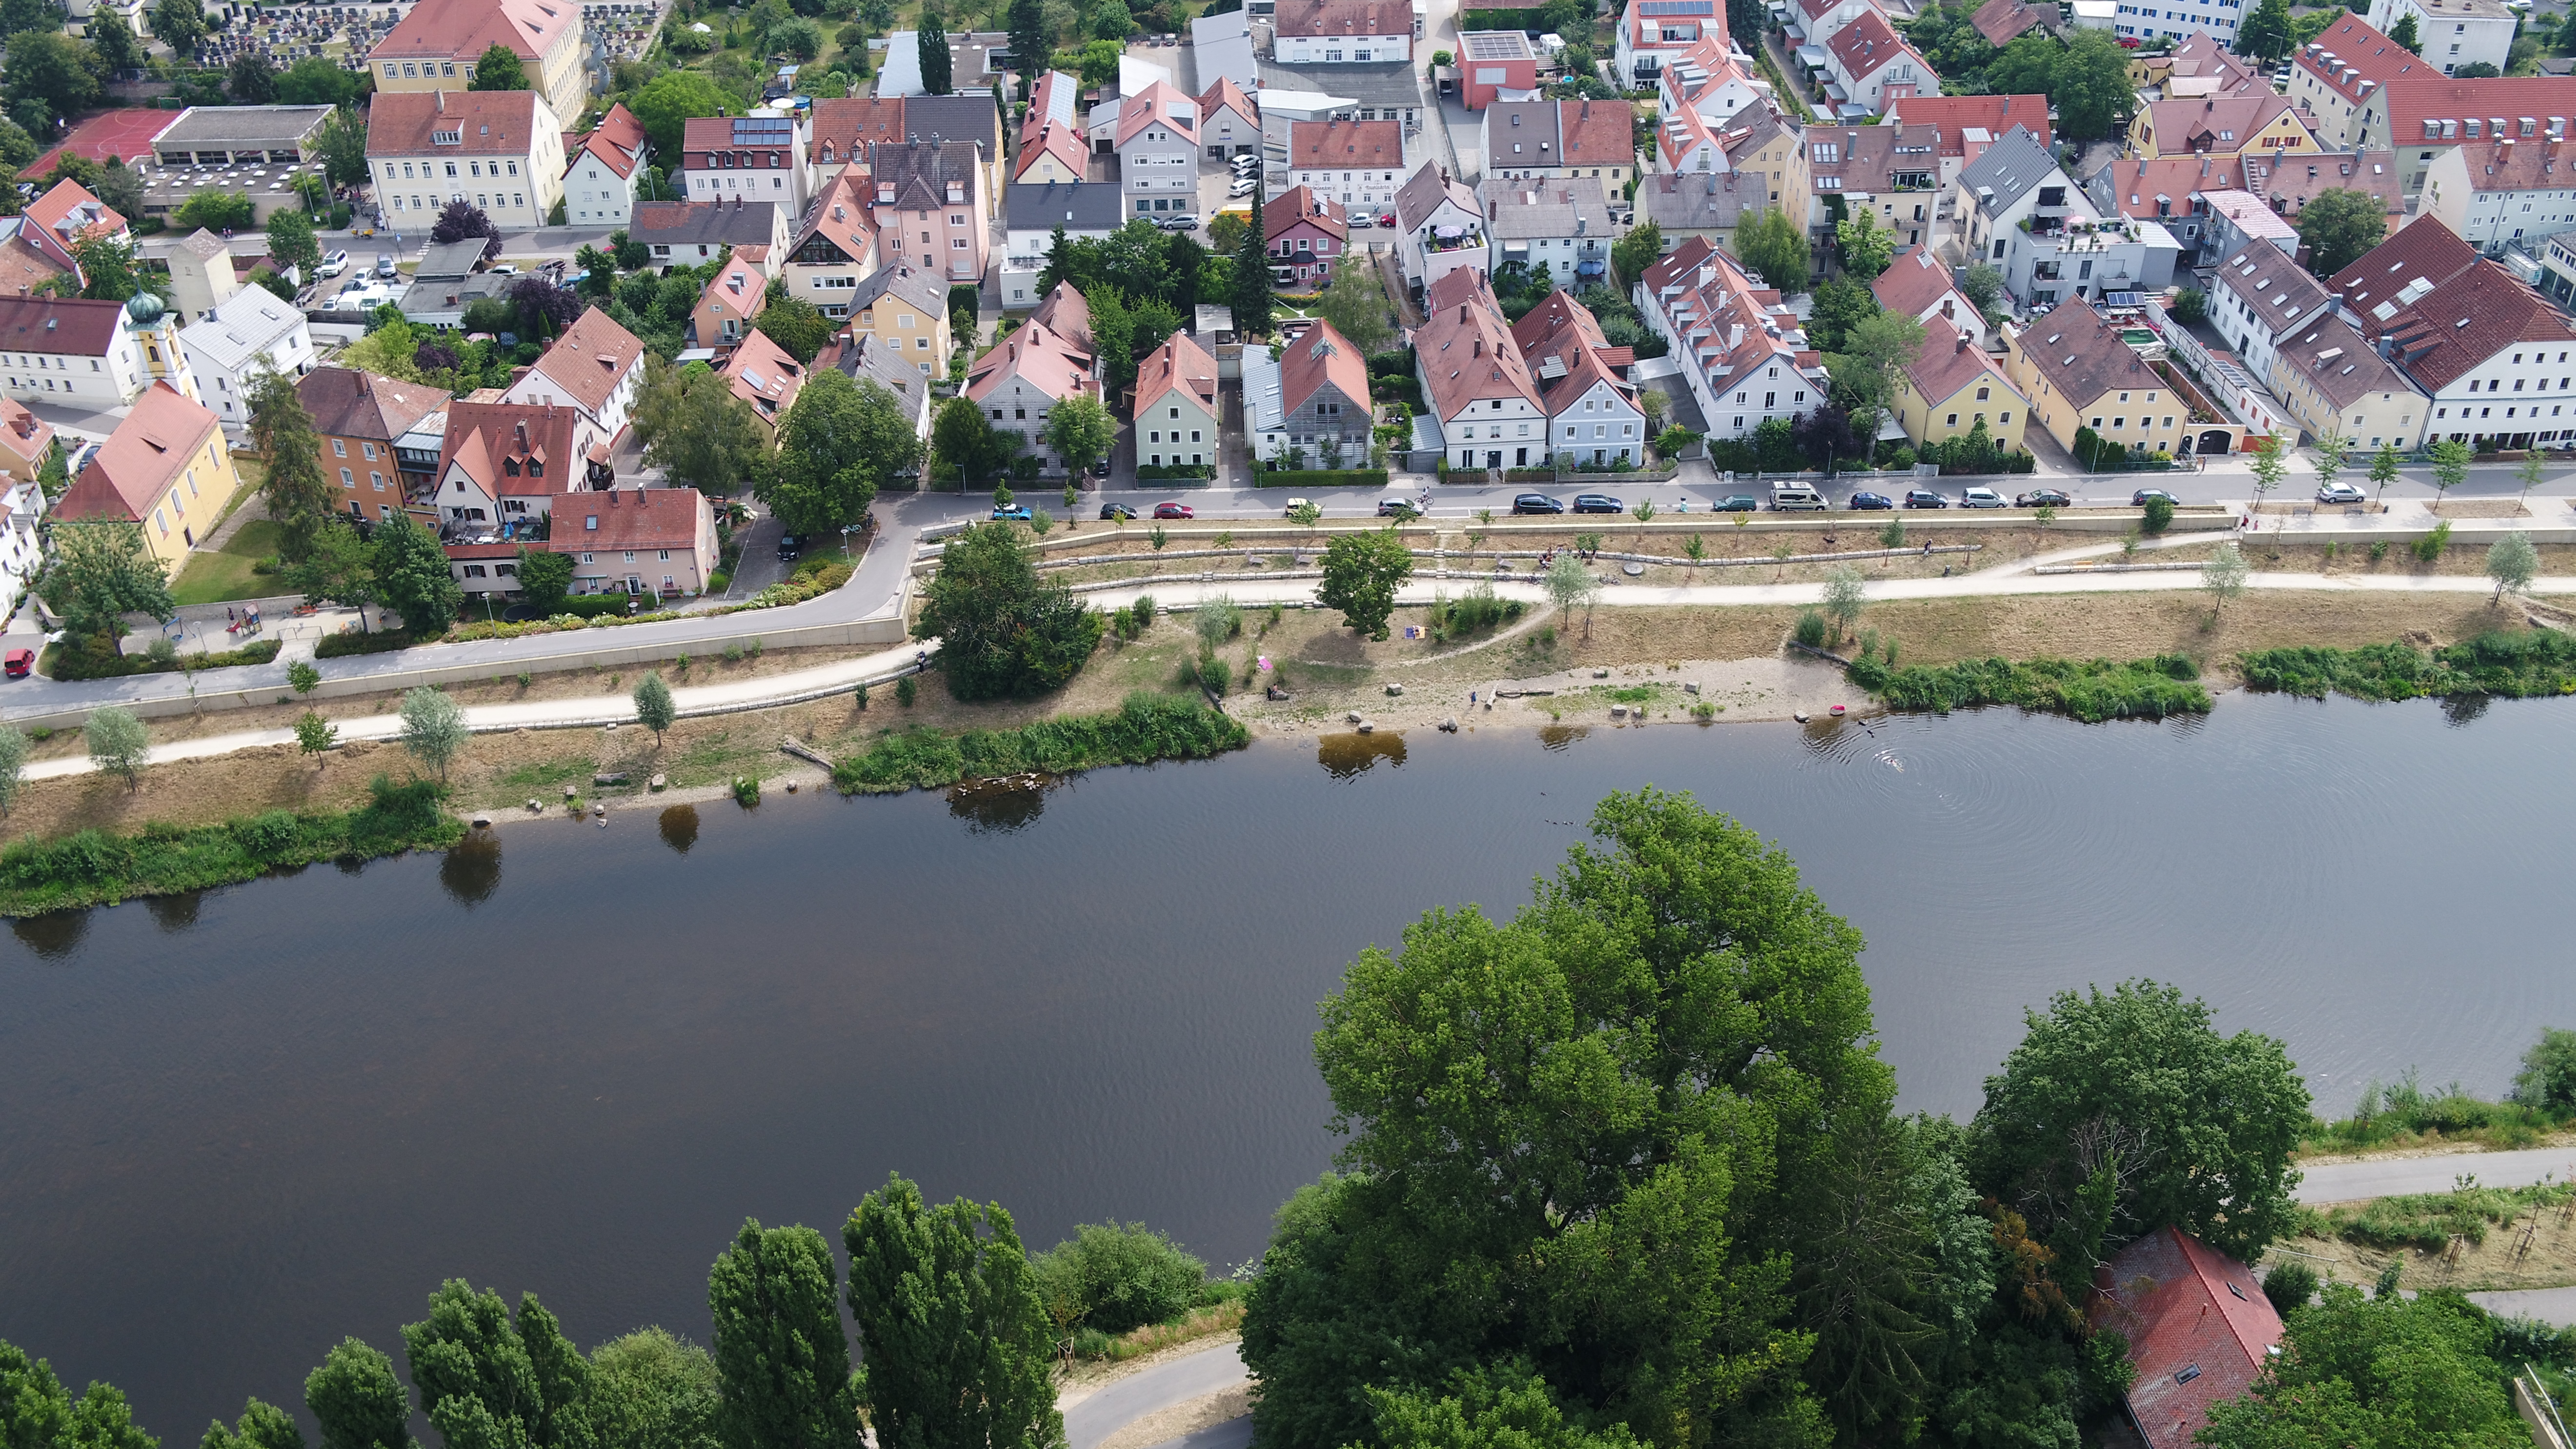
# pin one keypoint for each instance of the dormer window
(447, 138)
(510, 466)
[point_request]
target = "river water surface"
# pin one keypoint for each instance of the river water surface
(233, 1130)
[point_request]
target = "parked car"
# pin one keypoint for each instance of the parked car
(2042, 498)
(2339, 493)
(1980, 498)
(1791, 496)
(1866, 501)
(1598, 503)
(1247, 165)
(333, 265)
(385, 264)
(1537, 503)
(1294, 504)
(1174, 510)
(1925, 498)
(1116, 512)
(1178, 223)
(1737, 503)
(506, 269)
(1386, 218)
(790, 548)
(19, 662)
(2139, 498)
(1243, 186)
(1398, 506)
(1016, 513)
(1363, 220)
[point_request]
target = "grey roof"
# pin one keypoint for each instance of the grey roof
(451, 260)
(1695, 201)
(1537, 122)
(439, 297)
(920, 288)
(243, 326)
(1518, 210)
(242, 125)
(922, 171)
(1370, 85)
(968, 117)
(868, 358)
(1077, 206)
(2010, 168)
(682, 223)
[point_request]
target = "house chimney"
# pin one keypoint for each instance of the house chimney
(442, 101)
(1963, 345)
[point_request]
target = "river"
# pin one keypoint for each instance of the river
(241, 1127)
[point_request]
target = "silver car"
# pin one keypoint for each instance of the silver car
(1981, 498)
(2339, 493)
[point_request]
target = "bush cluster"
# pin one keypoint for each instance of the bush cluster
(65, 662)
(2511, 665)
(1110, 1278)
(2090, 690)
(1145, 728)
(1319, 478)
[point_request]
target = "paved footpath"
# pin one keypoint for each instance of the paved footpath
(1089, 1421)
(2386, 1176)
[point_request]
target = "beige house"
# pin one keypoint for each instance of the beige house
(1953, 385)
(2336, 384)
(501, 150)
(438, 44)
(2077, 373)
(165, 467)
(1176, 399)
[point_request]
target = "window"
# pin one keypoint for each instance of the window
(348, 479)
(341, 450)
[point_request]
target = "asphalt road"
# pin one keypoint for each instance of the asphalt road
(1192, 1376)
(2383, 1176)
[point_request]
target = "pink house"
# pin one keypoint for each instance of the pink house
(1305, 233)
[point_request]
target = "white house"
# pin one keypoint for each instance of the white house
(594, 368)
(1023, 377)
(1560, 227)
(1652, 32)
(1341, 32)
(2258, 297)
(97, 354)
(1744, 356)
(1874, 66)
(1442, 226)
(755, 157)
(2454, 32)
(1357, 163)
(2493, 192)
(605, 171)
(836, 247)
(1176, 399)
(1031, 213)
(1158, 150)
(1593, 417)
(248, 333)
(2498, 361)
(1475, 380)
(501, 150)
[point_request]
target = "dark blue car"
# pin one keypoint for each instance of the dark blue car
(1865, 501)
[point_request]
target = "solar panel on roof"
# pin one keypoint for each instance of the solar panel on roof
(1678, 7)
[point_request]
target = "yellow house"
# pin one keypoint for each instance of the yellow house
(1951, 386)
(2076, 373)
(2219, 126)
(2149, 70)
(438, 45)
(165, 467)
(907, 311)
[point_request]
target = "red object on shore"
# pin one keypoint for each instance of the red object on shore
(1836, 711)
(20, 663)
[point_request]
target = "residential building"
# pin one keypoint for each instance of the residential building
(65, 214)
(2490, 352)
(736, 294)
(1817, 22)
(26, 440)
(1475, 381)
(1540, 140)
(929, 208)
(22, 267)
(1372, 92)
(872, 361)
(2219, 126)
(835, 246)
(93, 354)
(1496, 65)
(2258, 297)
(595, 368)
(437, 44)
(501, 150)
(1967, 125)
(2197, 1326)
(1593, 417)
(1024, 377)
(1357, 163)
(1442, 227)
(2500, 191)
(1951, 386)
(2203, 66)
(686, 233)
(2076, 372)
(1312, 404)
(756, 157)
(1743, 354)
(1051, 149)
(2024, 217)
(2287, 182)
(1158, 150)
(2456, 32)
(1031, 214)
(2335, 384)
(504, 462)
(2215, 17)
(1893, 171)
(1917, 284)
(2236, 218)
(2001, 22)
(1708, 84)
(971, 63)
(2333, 75)
(2419, 117)
(970, 116)
(1229, 121)
(201, 275)
(648, 541)
(165, 467)
(906, 310)
(359, 415)
(1874, 67)
(606, 171)
(1561, 228)
(765, 378)
(22, 544)
(2172, 191)
(1342, 32)
(1176, 400)
(247, 334)
(845, 127)
(1651, 32)
(1067, 315)
(1223, 46)
(1709, 205)
(451, 277)
(1304, 233)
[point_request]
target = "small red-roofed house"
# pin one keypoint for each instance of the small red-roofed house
(739, 293)
(636, 541)
(2199, 1330)
(1305, 233)
(1176, 398)
(764, 376)
(165, 467)
(1229, 122)
(1917, 284)
(1019, 382)
(64, 215)
(604, 169)
(1875, 67)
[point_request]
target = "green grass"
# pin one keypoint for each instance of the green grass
(2430, 1220)
(2091, 690)
(1145, 729)
(2405, 1114)
(2513, 665)
(223, 575)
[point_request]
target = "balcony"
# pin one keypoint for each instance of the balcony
(2196, 404)
(1454, 239)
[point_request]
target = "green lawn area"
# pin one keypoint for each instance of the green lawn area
(224, 575)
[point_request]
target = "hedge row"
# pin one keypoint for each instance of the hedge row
(1146, 728)
(1321, 478)
(62, 662)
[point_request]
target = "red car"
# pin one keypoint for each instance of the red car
(1173, 510)
(19, 662)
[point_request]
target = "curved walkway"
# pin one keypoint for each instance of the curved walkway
(2387, 1176)
(1091, 1420)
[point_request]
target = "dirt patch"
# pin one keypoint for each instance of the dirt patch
(2538, 1251)
(1188, 1417)
(2418, 1147)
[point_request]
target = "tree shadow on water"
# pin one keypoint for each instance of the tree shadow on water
(680, 827)
(1344, 756)
(55, 935)
(472, 869)
(174, 913)
(996, 807)
(2460, 710)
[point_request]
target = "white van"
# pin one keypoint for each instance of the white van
(1788, 497)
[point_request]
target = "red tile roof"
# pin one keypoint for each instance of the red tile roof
(1066, 313)
(79, 326)
(2415, 100)
(845, 127)
(2467, 313)
(1914, 283)
(1867, 45)
(1467, 355)
(630, 518)
(1343, 17)
(764, 376)
(591, 358)
(1179, 365)
(2082, 355)
(1346, 145)
(496, 442)
(159, 438)
(487, 123)
(2001, 21)
(348, 403)
(1596, 133)
(2290, 181)
(1223, 94)
(1951, 360)
(1955, 114)
(69, 211)
(2198, 1326)
(2212, 69)
(1301, 206)
(1039, 356)
(2352, 59)
(1158, 104)
(1322, 355)
(618, 141)
(2221, 125)
(464, 29)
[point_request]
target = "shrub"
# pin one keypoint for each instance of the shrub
(303, 677)
(2378, 549)
(1213, 676)
(2290, 1285)
(2548, 1076)
(1142, 611)
(2090, 690)
(905, 691)
(1812, 629)
(1320, 478)
(746, 791)
(1110, 1278)
(2160, 512)
(1144, 729)
(336, 646)
(2428, 549)
(69, 661)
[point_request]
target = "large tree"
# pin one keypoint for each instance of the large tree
(491, 1381)
(2091, 87)
(1775, 246)
(649, 1390)
(784, 1361)
(53, 71)
(1874, 350)
(1638, 250)
(498, 69)
(1361, 574)
(1003, 632)
(460, 219)
(180, 24)
(299, 494)
(412, 576)
(291, 241)
(1355, 302)
(956, 1346)
(1251, 299)
(1866, 247)
(338, 567)
(671, 101)
(251, 81)
(107, 267)
(1082, 431)
(932, 40)
(840, 441)
(114, 41)
(966, 444)
(2125, 1112)
(2380, 1372)
(357, 1401)
(2340, 227)
(1032, 41)
(2265, 31)
(100, 572)
(261, 1426)
(343, 144)
(1584, 1139)
(692, 425)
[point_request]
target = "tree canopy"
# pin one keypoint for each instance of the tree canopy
(498, 69)
(838, 444)
(1003, 632)
(2340, 227)
(957, 1348)
(1361, 574)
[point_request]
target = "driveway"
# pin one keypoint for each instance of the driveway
(759, 566)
